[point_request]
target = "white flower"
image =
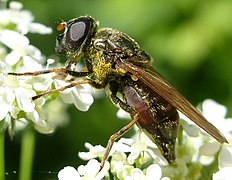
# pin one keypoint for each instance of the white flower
(78, 95)
(224, 162)
(88, 172)
(94, 152)
(225, 156)
(68, 173)
(15, 96)
(91, 170)
(122, 165)
(216, 114)
(153, 172)
(146, 149)
(21, 48)
(195, 150)
(18, 55)
(22, 19)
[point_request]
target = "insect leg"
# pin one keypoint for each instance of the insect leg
(127, 108)
(117, 101)
(61, 70)
(114, 137)
(61, 89)
(36, 73)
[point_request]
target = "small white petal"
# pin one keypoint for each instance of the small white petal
(115, 166)
(156, 155)
(98, 150)
(209, 149)
(30, 65)
(81, 170)
(124, 171)
(44, 130)
(15, 5)
(127, 177)
(34, 116)
(165, 178)
(3, 66)
(86, 155)
(91, 170)
(127, 141)
(44, 85)
(39, 28)
(68, 173)
(82, 101)
(137, 174)
(94, 151)
(119, 146)
(34, 52)
(103, 172)
(139, 146)
(11, 82)
(154, 172)
(88, 145)
(212, 110)
(191, 129)
(225, 156)
(13, 39)
(92, 167)
(119, 156)
(24, 100)
(132, 156)
(223, 174)
(12, 58)
(206, 160)
(5, 107)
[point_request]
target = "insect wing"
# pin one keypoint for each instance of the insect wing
(157, 83)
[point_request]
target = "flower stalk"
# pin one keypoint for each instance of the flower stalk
(2, 155)
(27, 153)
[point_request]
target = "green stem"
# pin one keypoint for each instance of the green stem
(2, 155)
(27, 154)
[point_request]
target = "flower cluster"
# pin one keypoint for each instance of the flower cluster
(138, 158)
(18, 55)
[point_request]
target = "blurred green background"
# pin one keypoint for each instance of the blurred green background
(190, 41)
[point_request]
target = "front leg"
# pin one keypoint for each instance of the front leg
(61, 70)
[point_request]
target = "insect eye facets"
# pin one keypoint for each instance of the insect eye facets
(77, 31)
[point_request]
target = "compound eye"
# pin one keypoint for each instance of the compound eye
(77, 34)
(77, 31)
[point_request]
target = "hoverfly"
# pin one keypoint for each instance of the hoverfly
(115, 60)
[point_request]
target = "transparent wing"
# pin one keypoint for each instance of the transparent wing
(157, 83)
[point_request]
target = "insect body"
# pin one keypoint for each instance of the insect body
(114, 59)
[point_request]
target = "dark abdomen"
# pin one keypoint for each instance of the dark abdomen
(157, 117)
